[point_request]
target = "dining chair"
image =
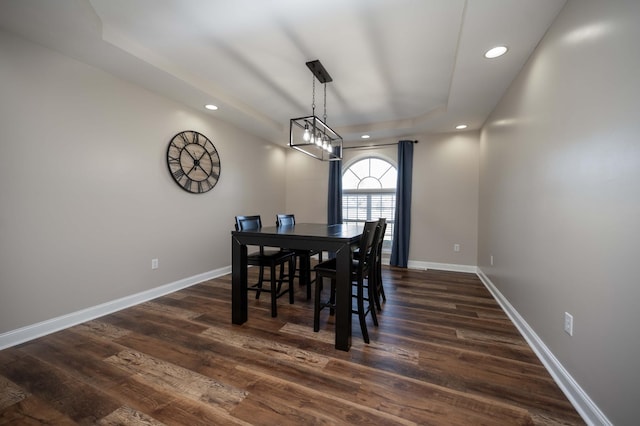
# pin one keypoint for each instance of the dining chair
(302, 260)
(360, 272)
(268, 259)
(376, 265)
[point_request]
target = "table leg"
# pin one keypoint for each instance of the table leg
(239, 305)
(343, 298)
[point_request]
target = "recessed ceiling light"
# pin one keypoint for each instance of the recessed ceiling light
(365, 136)
(461, 126)
(211, 107)
(495, 52)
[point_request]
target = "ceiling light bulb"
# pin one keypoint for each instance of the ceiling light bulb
(365, 137)
(461, 126)
(211, 107)
(306, 136)
(495, 52)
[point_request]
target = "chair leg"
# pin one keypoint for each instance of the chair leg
(259, 284)
(361, 313)
(280, 277)
(316, 303)
(293, 269)
(332, 298)
(292, 272)
(374, 283)
(371, 294)
(380, 286)
(274, 292)
(305, 273)
(381, 292)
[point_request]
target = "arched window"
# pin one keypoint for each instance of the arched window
(369, 193)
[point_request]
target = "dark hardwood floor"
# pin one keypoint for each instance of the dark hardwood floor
(444, 354)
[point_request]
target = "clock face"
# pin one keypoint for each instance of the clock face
(193, 162)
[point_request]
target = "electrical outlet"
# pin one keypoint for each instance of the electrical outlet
(568, 323)
(456, 248)
(154, 263)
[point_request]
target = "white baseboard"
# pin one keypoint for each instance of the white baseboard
(589, 411)
(413, 264)
(30, 332)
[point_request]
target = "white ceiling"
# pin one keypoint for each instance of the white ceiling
(399, 67)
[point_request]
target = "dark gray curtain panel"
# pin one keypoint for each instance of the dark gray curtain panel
(402, 228)
(334, 205)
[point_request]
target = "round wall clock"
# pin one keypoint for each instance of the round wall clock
(193, 162)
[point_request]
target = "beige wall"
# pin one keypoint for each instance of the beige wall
(86, 197)
(444, 208)
(307, 180)
(560, 198)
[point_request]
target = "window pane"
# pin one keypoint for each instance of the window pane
(378, 167)
(349, 180)
(383, 205)
(361, 168)
(390, 178)
(349, 207)
(369, 183)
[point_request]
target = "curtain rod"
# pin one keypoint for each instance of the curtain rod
(373, 146)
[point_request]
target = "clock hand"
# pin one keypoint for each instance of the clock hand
(197, 162)
(191, 155)
(191, 169)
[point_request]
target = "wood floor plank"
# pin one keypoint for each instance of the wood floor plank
(189, 412)
(274, 349)
(172, 378)
(75, 399)
(34, 411)
(99, 328)
(128, 416)
(304, 405)
(444, 353)
(144, 398)
(10, 393)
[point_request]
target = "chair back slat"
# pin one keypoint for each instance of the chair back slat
(285, 220)
(369, 236)
(383, 229)
(248, 223)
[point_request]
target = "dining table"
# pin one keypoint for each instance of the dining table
(336, 239)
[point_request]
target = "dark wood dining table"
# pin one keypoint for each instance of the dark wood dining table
(338, 239)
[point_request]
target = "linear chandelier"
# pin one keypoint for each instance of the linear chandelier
(311, 135)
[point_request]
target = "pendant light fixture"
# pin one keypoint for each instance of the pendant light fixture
(311, 135)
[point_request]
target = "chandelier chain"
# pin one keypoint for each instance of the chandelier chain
(325, 103)
(313, 96)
